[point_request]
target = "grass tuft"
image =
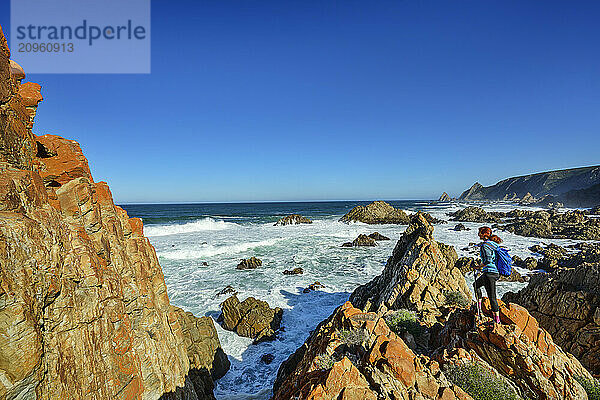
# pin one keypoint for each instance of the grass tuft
(404, 321)
(353, 337)
(591, 387)
(324, 361)
(480, 383)
(455, 298)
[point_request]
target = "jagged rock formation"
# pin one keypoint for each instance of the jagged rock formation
(250, 318)
(551, 224)
(445, 197)
(519, 349)
(416, 276)
(576, 187)
(355, 354)
(378, 236)
(249, 263)
(430, 218)
(378, 212)
(543, 224)
(566, 302)
(361, 240)
(84, 311)
(377, 365)
(292, 219)
(549, 201)
(527, 199)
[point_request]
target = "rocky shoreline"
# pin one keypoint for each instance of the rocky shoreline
(367, 348)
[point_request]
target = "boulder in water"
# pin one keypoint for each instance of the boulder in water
(313, 286)
(250, 318)
(267, 358)
(227, 290)
(293, 219)
(378, 212)
(460, 227)
(378, 236)
(529, 263)
(295, 271)
(361, 240)
(249, 263)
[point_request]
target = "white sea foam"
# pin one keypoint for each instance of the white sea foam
(204, 224)
(209, 250)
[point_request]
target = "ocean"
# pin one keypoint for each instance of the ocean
(186, 236)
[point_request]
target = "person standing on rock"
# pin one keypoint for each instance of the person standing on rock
(490, 274)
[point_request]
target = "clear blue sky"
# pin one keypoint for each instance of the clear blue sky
(299, 100)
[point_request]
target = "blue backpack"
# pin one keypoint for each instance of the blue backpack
(503, 261)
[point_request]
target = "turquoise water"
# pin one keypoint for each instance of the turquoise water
(187, 235)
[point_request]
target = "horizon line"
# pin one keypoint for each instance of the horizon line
(264, 201)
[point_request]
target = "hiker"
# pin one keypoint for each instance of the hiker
(490, 273)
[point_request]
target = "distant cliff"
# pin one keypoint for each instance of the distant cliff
(573, 187)
(84, 310)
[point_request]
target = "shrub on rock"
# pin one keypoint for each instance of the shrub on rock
(480, 383)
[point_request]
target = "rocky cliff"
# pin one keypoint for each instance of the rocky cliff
(567, 186)
(566, 302)
(367, 349)
(84, 311)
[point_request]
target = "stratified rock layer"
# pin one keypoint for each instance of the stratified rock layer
(84, 311)
(416, 276)
(378, 212)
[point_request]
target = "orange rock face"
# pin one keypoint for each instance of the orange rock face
(518, 349)
(84, 311)
(381, 366)
(62, 161)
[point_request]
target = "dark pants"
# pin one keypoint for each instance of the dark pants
(488, 279)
